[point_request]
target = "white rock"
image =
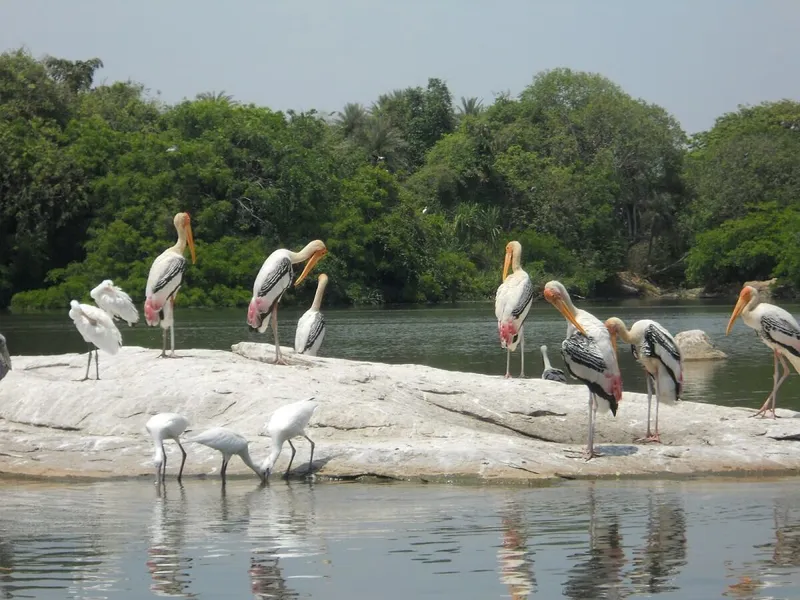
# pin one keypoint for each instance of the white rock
(402, 421)
(696, 345)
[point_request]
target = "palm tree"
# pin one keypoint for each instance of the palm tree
(470, 106)
(220, 97)
(383, 143)
(352, 119)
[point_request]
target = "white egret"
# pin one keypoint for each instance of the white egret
(166, 426)
(227, 443)
(287, 422)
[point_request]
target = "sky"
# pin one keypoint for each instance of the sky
(696, 58)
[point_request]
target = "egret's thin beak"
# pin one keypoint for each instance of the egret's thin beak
(310, 265)
(740, 304)
(507, 263)
(190, 240)
(562, 308)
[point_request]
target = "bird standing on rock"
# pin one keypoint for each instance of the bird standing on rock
(589, 356)
(778, 329)
(273, 279)
(311, 326)
(166, 426)
(287, 422)
(227, 443)
(656, 350)
(511, 305)
(96, 323)
(164, 281)
(550, 373)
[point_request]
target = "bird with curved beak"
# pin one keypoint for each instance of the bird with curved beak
(273, 279)
(165, 279)
(589, 355)
(779, 331)
(512, 302)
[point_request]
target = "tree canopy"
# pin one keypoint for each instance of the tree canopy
(415, 195)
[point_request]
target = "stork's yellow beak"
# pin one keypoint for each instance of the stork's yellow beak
(310, 264)
(507, 263)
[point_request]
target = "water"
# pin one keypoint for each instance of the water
(587, 540)
(462, 338)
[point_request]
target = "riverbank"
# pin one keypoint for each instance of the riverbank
(397, 421)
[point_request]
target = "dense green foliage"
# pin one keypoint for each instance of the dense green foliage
(415, 197)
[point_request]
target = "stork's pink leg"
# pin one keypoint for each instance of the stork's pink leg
(769, 403)
(279, 360)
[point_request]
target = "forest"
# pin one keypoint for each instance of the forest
(415, 195)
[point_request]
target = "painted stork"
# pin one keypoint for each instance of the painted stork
(96, 323)
(311, 326)
(778, 329)
(589, 355)
(5, 358)
(273, 280)
(287, 422)
(655, 349)
(550, 373)
(227, 443)
(511, 305)
(164, 281)
(166, 426)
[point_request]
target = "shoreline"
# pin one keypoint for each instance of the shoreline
(375, 421)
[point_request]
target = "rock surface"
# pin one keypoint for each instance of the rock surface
(696, 345)
(401, 421)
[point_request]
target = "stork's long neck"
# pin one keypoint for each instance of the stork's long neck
(249, 461)
(623, 332)
(545, 358)
(515, 261)
(273, 455)
(303, 255)
(180, 245)
(318, 296)
(751, 305)
(158, 455)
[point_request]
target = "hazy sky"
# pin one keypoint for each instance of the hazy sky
(696, 58)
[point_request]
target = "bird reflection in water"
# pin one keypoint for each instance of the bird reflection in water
(267, 579)
(787, 537)
(168, 569)
(657, 565)
(600, 574)
(516, 564)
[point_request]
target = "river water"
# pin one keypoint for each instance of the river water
(462, 338)
(582, 540)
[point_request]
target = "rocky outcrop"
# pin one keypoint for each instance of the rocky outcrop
(398, 421)
(696, 345)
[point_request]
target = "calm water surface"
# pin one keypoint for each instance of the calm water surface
(587, 540)
(462, 338)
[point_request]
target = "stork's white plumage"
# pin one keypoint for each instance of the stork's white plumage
(656, 350)
(97, 328)
(273, 280)
(511, 305)
(165, 279)
(115, 301)
(288, 422)
(311, 326)
(5, 358)
(778, 329)
(166, 426)
(227, 443)
(589, 356)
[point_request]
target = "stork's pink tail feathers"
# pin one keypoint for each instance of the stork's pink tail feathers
(151, 310)
(252, 314)
(616, 386)
(507, 332)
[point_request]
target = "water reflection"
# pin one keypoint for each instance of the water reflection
(657, 564)
(514, 556)
(598, 572)
(701, 379)
(168, 569)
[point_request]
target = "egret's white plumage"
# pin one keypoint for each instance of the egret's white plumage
(5, 358)
(311, 326)
(288, 422)
(511, 305)
(589, 356)
(165, 279)
(115, 301)
(273, 279)
(550, 373)
(97, 328)
(656, 350)
(166, 426)
(227, 443)
(777, 328)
